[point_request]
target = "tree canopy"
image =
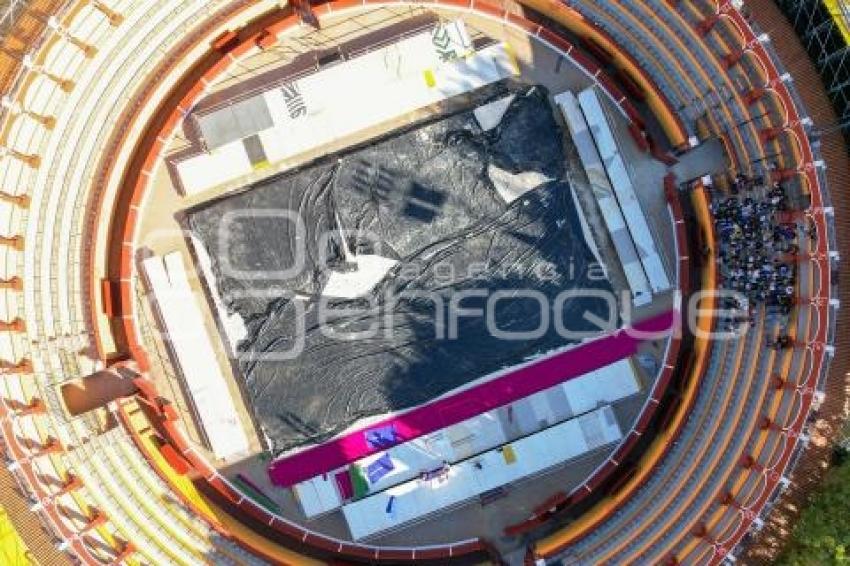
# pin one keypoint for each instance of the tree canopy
(823, 534)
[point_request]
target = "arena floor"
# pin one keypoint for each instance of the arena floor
(554, 204)
(426, 199)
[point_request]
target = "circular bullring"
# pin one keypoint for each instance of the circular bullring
(601, 479)
(721, 424)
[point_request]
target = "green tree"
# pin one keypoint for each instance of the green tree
(822, 536)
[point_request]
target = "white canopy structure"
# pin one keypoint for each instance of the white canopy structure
(411, 501)
(624, 189)
(190, 343)
(350, 97)
(472, 437)
(606, 199)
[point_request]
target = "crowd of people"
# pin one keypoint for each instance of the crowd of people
(755, 249)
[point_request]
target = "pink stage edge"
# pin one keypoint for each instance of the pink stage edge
(533, 378)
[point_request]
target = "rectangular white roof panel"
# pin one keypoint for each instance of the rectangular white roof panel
(602, 387)
(376, 88)
(190, 343)
(229, 161)
(618, 174)
(413, 500)
(235, 121)
(604, 193)
(317, 496)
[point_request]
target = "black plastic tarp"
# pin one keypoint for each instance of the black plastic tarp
(425, 198)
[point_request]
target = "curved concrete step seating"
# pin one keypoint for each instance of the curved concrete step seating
(48, 469)
(709, 419)
(146, 501)
(759, 379)
(124, 506)
(705, 88)
(43, 96)
(151, 26)
(163, 495)
(158, 501)
(67, 145)
(57, 223)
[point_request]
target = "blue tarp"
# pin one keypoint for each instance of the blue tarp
(379, 468)
(382, 437)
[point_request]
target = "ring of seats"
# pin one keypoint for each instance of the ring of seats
(722, 390)
(194, 91)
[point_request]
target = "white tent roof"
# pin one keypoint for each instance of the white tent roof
(416, 499)
(342, 100)
(620, 179)
(605, 198)
(486, 431)
(178, 309)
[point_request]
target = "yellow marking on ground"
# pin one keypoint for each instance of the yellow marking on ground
(430, 79)
(13, 551)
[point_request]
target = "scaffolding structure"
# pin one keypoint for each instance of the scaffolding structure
(822, 26)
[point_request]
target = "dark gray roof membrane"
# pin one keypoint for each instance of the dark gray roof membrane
(425, 196)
